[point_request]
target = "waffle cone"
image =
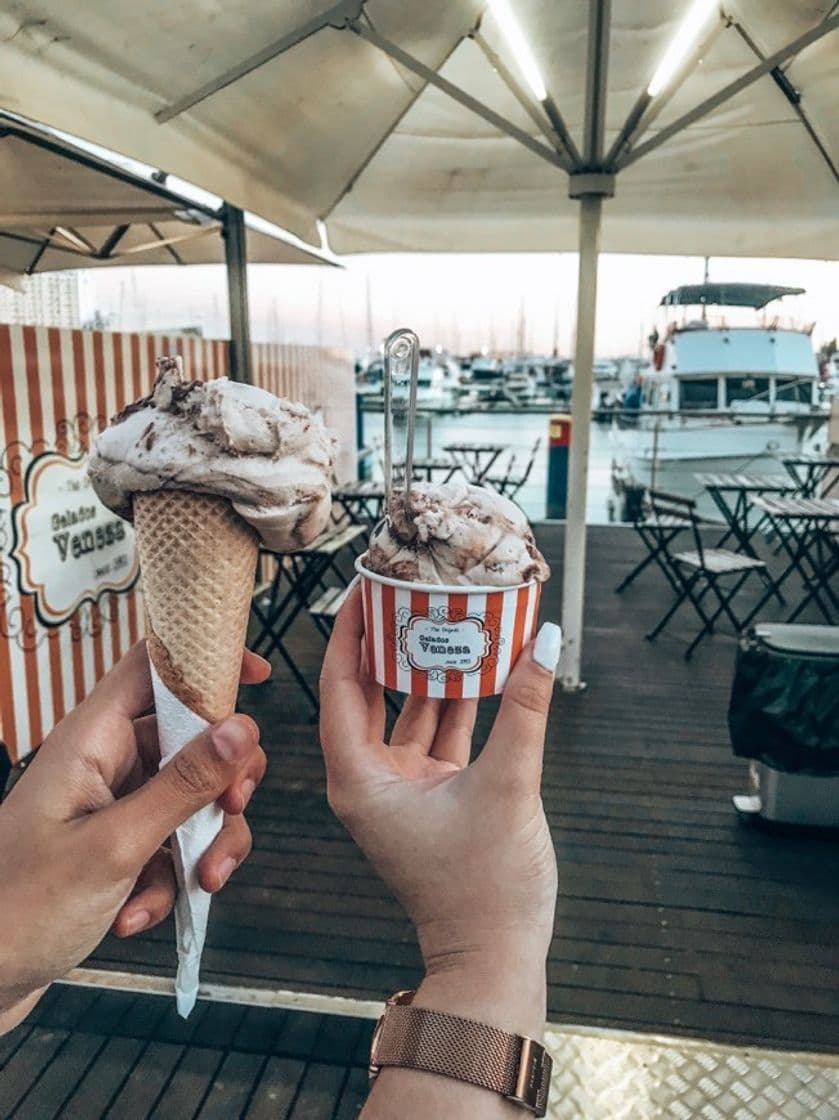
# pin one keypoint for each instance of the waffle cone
(197, 559)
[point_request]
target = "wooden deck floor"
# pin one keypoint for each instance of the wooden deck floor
(86, 1055)
(673, 917)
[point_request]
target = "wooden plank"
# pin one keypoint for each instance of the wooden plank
(353, 1095)
(296, 1037)
(709, 1020)
(575, 974)
(13, 1039)
(190, 1083)
(258, 1030)
(146, 1082)
(26, 1065)
(232, 1087)
(92, 1095)
(105, 1014)
(319, 1092)
(60, 1077)
(145, 1016)
(361, 1057)
(71, 1003)
(171, 1027)
(276, 1089)
(218, 1025)
(336, 1039)
(44, 1004)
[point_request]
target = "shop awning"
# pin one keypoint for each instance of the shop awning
(62, 207)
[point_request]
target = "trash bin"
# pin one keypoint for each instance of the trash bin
(784, 716)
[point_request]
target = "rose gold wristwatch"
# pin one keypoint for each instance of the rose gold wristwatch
(417, 1038)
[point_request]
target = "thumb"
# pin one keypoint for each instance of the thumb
(512, 755)
(195, 777)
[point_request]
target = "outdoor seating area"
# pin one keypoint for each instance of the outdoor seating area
(773, 527)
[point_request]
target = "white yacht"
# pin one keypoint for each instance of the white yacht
(719, 397)
(434, 379)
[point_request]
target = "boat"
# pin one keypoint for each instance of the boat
(486, 380)
(435, 381)
(519, 386)
(602, 369)
(718, 397)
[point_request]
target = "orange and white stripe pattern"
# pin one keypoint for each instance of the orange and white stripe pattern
(493, 623)
(57, 389)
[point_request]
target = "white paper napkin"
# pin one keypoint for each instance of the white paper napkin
(176, 725)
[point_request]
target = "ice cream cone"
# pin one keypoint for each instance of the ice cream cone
(197, 559)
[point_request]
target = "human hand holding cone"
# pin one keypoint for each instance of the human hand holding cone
(198, 559)
(207, 471)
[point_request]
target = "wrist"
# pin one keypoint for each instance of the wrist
(504, 986)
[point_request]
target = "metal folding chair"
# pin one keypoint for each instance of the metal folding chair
(511, 482)
(657, 533)
(697, 572)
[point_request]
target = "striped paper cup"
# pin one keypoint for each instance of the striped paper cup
(453, 642)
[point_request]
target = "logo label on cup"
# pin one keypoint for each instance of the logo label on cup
(439, 645)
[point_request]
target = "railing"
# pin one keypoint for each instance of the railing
(612, 438)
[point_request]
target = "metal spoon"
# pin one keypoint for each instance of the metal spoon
(401, 355)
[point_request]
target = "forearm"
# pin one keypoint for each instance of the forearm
(508, 992)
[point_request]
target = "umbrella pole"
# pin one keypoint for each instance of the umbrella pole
(574, 567)
(236, 259)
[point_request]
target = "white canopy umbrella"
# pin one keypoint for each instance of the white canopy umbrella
(463, 125)
(63, 206)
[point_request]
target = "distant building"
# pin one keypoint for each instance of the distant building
(51, 299)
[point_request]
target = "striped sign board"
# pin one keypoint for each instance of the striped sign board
(70, 604)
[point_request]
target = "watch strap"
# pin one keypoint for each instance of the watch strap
(434, 1041)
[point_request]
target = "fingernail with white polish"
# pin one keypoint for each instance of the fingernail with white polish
(548, 646)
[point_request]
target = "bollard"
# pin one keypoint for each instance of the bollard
(559, 442)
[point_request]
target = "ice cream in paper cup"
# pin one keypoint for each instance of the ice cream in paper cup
(450, 587)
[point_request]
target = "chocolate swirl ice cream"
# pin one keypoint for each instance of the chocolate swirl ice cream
(455, 534)
(268, 456)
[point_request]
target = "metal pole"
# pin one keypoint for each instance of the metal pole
(573, 576)
(236, 258)
(654, 468)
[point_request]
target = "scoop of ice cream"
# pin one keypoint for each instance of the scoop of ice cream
(268, 456)
(455, 533)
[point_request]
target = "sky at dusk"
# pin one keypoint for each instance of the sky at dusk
(461, 301)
